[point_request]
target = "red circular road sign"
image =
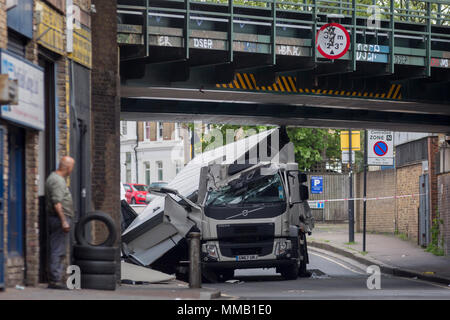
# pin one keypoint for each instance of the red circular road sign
(332, 41)
(380, 148)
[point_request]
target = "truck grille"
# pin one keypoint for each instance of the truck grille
(245, 239)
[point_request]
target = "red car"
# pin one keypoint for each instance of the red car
(136, 193)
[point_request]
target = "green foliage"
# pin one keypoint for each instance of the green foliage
(436, 237)
(314, 145)
(310, 145)
(401, 236)
(415, 9)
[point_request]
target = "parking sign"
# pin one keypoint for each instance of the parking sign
(316, 184)
(380, 148)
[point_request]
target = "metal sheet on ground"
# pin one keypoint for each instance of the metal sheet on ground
(137, 273)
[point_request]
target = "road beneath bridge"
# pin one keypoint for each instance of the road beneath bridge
(332, 278)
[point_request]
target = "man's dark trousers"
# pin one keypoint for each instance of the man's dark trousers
(58, 246)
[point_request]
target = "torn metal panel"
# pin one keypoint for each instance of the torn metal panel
(148, 241)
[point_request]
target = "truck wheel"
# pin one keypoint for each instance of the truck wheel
(225, 275)
(302, 272)
(290, 272)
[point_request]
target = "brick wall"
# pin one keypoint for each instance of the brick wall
(17, 270)
(433, 154)
(3, 25)
(32, 208)
(407, 208)
(443, 182)
(380, 213)
(105, 113)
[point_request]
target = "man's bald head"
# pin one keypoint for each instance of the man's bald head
(66, 165)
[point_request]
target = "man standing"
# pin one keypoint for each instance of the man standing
(59, 206)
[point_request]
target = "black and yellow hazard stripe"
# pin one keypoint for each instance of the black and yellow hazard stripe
(287, 84)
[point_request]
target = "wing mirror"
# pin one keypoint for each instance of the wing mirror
(302, 177)
(304, 193)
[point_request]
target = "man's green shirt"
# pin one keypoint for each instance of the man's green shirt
(56, 191)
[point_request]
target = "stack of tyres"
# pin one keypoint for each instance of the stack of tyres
(97, 262)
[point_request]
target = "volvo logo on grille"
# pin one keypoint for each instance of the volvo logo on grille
(245, 213)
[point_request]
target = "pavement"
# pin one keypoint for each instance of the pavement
(395, 256)
(171, 290)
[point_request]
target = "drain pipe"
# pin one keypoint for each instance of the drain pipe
(135, 151)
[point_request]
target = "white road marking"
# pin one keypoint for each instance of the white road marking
(335, 262)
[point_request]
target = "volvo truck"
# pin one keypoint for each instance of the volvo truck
(251, 212)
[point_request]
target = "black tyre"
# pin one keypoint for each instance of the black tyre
(225, 275)
(290, 272)
(133, 201)
(98, 281)
(302, 271)
(96, 267)
(100, 216)
(95, 253)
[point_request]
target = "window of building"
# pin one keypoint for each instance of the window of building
(147, 173)
(159, 164)
(147, 131)
(178, 166)
(124, 128)
(128, 167)
(177, 131)
(160, 131)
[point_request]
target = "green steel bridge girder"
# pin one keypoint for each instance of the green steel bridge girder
(411, 44)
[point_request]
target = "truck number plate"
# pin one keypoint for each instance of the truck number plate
(247, 257)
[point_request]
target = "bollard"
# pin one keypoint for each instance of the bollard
(195, 272)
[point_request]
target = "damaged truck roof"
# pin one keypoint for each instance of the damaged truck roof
(158, 229)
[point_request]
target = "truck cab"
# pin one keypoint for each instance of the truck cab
(254, 216)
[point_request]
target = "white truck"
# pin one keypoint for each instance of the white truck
(251, 214)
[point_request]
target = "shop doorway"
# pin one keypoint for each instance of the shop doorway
(16, 191)
(2, 217)
(47, 155)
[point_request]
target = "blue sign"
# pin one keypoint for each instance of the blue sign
(30, 77)
(20, 18)
(316, 184)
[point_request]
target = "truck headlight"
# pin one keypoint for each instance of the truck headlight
(211, 250)
(282, 247)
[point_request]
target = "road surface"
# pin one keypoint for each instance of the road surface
(332, 278)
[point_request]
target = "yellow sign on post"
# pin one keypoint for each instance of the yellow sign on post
(356, 140)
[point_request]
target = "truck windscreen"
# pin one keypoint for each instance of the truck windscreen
(259, 189)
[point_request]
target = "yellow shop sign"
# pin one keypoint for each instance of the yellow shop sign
(50, 28)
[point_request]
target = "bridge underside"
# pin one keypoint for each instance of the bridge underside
(187, 105)
(258, 63)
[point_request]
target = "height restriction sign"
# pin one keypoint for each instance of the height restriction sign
(332, 41)
(380, 148)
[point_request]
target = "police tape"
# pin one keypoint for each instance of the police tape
(370, 199)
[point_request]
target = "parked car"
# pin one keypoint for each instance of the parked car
(136, 193)
(158, 184)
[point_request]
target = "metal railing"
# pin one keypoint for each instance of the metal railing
(425, 21)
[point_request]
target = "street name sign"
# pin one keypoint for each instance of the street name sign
(380, 148)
